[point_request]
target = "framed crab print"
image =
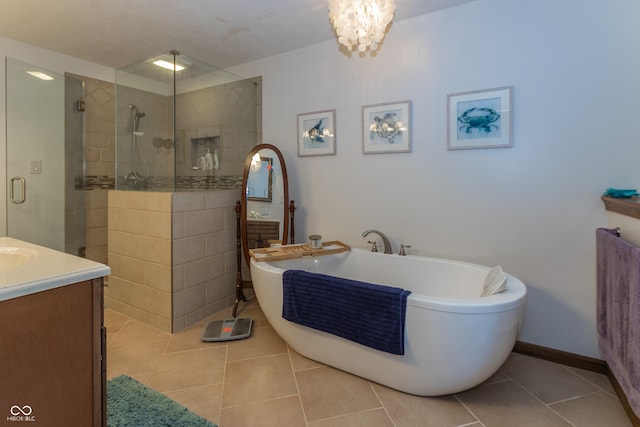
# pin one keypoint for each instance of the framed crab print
(479, 119)
(317, 133)
(386, 128)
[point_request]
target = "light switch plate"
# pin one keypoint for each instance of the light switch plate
(35, 166)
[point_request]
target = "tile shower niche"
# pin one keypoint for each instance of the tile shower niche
(205, 153)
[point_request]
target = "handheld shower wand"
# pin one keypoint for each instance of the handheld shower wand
(133, 176)
(136, 118)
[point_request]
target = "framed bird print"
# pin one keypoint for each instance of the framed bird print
(386, 128)
(317, 133)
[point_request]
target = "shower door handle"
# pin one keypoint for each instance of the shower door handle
(23, 183)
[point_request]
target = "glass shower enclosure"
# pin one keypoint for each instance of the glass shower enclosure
(182, 125)
(183, 131)
(45, 157)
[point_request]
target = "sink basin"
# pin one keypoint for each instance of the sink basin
(26, 268)
(11, 257)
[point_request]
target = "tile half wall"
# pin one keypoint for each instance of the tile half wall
(172, 255)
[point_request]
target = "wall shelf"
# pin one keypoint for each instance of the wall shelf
(629, 207)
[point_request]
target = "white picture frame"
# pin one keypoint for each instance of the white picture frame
(480, 119)
(317, 133)
(386, 128)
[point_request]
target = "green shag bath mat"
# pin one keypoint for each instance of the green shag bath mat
(132, 404)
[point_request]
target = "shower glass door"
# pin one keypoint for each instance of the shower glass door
(35, 154)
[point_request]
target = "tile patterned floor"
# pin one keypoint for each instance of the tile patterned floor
(261, 382)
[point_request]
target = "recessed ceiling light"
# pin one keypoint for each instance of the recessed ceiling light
(40, 75)
(168, 65)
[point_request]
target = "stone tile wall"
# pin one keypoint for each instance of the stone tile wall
(172, 255)
(139, 241)
(99, 162)
(204, 254)
(133, 232)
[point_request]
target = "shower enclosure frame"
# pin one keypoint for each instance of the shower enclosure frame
(171, 247)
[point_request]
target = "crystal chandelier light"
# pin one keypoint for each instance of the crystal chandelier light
(361, 22)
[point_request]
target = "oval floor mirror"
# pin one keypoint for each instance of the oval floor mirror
(263, 215)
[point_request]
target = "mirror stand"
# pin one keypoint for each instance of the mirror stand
(292, 210)
(240, 284)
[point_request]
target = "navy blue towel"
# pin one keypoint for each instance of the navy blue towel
(369, 314)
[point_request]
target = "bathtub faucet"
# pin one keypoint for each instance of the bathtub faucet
(385, 240)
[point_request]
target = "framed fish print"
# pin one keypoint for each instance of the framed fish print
(317, 133)
(479, 119)
(386, 128)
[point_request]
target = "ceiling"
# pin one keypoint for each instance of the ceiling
(223, 33)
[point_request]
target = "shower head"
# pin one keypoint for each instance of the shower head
(139, 113)
(136, 118)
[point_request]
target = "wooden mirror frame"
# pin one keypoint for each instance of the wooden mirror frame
(243, 199)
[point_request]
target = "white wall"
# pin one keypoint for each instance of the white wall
(533, 208)
(46, 59)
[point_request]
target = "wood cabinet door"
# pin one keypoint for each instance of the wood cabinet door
(48, 358)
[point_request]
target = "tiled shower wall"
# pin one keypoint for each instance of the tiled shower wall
(156, 125)
(172, 255)
(202, 223)
(204, 254)
(99, 100)
(100, 128)
(230, 113)
(238, 117)
(140, 256)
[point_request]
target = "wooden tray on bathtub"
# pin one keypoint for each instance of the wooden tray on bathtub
(279, 253)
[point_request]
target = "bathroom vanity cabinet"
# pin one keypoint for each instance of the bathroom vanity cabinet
(52, 339)
(52, 371)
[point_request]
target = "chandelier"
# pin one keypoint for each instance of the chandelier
(361, 23)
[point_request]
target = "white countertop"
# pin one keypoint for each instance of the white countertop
(26, 268)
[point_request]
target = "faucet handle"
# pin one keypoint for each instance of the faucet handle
(402, 250)
(374, 246)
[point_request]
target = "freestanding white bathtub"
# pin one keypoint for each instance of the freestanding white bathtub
(454, 340)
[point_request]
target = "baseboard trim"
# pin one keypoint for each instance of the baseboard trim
(562, 357)
(578, 361)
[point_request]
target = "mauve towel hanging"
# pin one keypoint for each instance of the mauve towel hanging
(618, 310)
